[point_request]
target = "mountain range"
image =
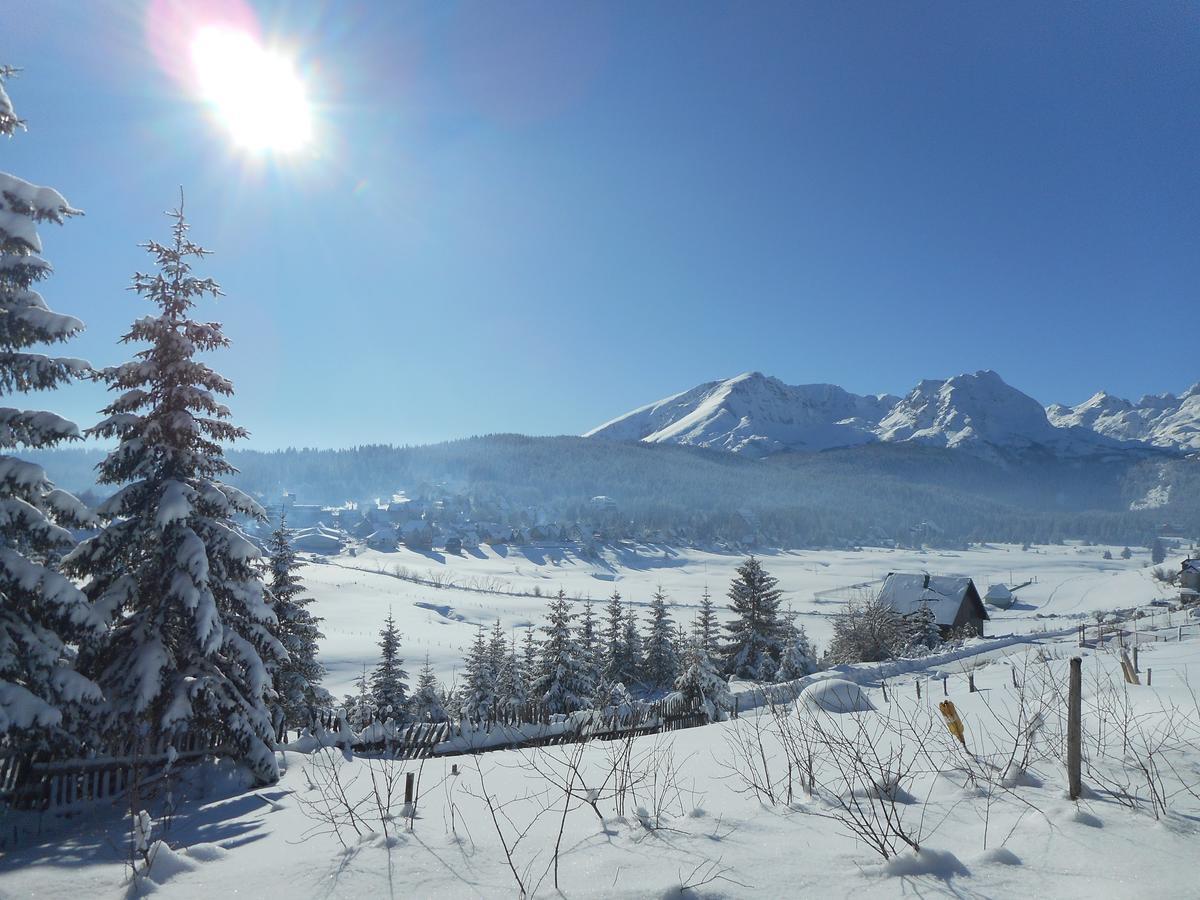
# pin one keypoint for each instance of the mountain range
(977, 412)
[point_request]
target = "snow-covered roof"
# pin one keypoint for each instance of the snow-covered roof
(1193, 564)
(998, 592)
(943, 593)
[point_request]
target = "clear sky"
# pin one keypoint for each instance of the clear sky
(535, 216)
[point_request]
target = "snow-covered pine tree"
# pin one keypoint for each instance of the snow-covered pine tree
(922, 630)
(41, 612)
(359, 709)
(799, 658)
(497, 649)
(389, 681)
(632, 649)
(477, 697)
(612, 639)
(757, 633)
(705, 627)
(530, 655)
(589, 645)
(700, 683)
(512, 690)
(426, 702)
(660, 665)
(296, 679)
(171, 569)
(561, 681)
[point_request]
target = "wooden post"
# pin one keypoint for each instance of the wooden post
(1075, 728)
(945, 686)
(736, 704)
(971, 682)
(1014, 677)
(1135, 659)
(883, 684)
(1149, 675)
(918, 683)
(409, 779)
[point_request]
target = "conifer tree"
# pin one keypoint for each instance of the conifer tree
(661, 665)
(171, 570)
(589, 644)
(706, 623)
(613, 640)
(297, 678)
(561, 682)
(426, 703)
(478, 695)
(922, 630)
(497, 649)
(42, 613)
(632, 650)
(700, 683)
(799, 658)
(756, 634)
(530, 656)
(389, 685)
(512, 689)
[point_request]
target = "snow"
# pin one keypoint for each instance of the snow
(835, 695)
(978, 412)
(1163, 420)
(354, 593)
(1023, 840)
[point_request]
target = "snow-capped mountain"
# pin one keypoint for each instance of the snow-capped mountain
(1162, 420)
(756, 414)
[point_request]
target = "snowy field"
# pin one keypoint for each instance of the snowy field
(355, 593)
(681, 817)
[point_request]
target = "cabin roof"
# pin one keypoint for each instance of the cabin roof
(944, 594)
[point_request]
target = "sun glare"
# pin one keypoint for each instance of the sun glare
(255, 93)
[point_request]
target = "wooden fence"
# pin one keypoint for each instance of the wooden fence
(30, 782)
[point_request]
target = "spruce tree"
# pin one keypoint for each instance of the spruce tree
(530, 656)
(757, 633)
(706, 623)
(426, 703)
(296, 679)
(512, 689)
(389, 685)
(589, 646)
(701, 684)
(171, 569)
(922, 630)
(799, 658)
(478, 695)
(497, 648)
(1158, 552)
(661, 665)
(561, 681)
(42, 613)
(613, 640)
(632, 650)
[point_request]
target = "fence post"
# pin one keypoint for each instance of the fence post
(971, 682)
(945, 686)
(1135, 659)
(883, 684)
(409, 778)
(736, 703)
(1075, 728)
(918, 684)
(1014, 677)
(1149, 675)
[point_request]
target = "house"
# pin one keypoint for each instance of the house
(954, 599)
(999, 596)
(1189, 581)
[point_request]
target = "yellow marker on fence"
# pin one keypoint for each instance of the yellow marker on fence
(953, 722)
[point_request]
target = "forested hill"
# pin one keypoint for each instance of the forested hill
(858, 494)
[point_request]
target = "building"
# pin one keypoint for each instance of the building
(954, 599)
(1189, 581)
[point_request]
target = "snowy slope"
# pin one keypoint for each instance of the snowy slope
(980, 411)
(1163, 420)
(756, 414)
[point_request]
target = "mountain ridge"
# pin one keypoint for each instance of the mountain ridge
(977, 412)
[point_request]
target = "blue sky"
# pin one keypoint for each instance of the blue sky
(534, 216)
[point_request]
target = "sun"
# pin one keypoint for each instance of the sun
(254, 93)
